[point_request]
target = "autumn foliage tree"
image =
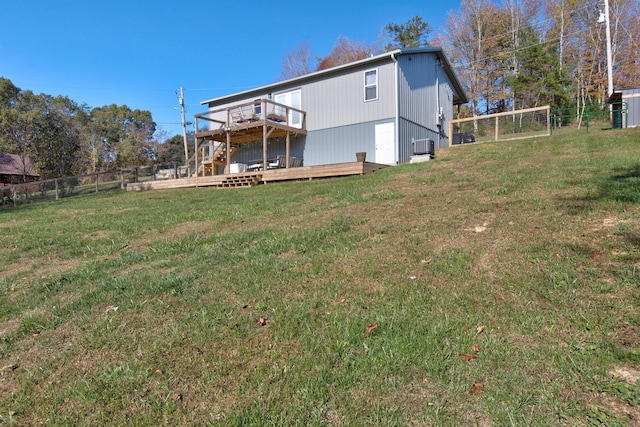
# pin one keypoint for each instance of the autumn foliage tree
(62, 137)
(524, 53)
(344, 52)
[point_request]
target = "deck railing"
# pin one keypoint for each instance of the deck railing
(251, 113)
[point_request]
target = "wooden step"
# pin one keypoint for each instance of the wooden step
(233, 181)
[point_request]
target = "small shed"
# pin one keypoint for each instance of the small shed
(627, 101)
(16, 169)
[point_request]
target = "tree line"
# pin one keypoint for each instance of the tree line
(514, 54)
(65, 138)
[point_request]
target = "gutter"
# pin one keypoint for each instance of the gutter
(396, 85)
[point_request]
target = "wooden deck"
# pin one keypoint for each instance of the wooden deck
(249, 179)
(231, 127)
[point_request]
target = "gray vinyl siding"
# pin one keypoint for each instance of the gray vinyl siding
(277, 147)
(632, 98)
(340, 144)
(421, 79)
(339, 100)
(417, 90)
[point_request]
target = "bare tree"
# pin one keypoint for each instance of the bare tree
(296, 62)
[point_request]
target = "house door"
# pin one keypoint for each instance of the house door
(292, 99)
(385, 144)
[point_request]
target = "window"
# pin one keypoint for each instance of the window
(257, 107)
(292, 99)
(371, 85)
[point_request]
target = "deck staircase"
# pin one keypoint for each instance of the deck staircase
(206, 164)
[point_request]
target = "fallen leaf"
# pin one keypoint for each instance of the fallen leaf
(370, 328)
(480, 329)
(262, 321)
(595, 255)
(469, 357)
(476, 388)
(476, 348)
(111, 308)
(340, 363)
(176, 397)
(343, 299)
(158, 372)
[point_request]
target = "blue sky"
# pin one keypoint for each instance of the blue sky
(139, 52)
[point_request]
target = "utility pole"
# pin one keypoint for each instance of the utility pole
(609, 65)
(604, 19)
(184, 131)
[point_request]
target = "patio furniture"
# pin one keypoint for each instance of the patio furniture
(278, 114)
(244, 114)
(278, 162)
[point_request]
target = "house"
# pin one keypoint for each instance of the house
(16, 169)
(390, 106)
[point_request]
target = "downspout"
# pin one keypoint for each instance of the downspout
(397, 107)
(438, 105)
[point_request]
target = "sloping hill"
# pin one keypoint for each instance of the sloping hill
(495, 285)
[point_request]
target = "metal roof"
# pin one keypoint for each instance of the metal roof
(13, 164)
(387, 56)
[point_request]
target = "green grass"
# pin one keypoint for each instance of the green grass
(350, 301)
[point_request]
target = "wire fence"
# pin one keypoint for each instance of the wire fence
(612, 115)
(18, 194)
(506, 126)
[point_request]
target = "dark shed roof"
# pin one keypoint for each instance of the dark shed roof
(13, 164)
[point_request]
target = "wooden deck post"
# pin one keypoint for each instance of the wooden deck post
(288, 148)
(195, 157)
(227, 168)
(265, 161)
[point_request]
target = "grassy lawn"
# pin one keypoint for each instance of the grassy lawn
(496, 285)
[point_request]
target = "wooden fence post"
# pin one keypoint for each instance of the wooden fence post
(56, 189)
(97, 175)
(121, 179)
(15, 197)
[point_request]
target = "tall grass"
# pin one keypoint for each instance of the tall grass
(495, 285)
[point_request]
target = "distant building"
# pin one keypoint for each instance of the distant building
(16, 169)
(630, 98)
